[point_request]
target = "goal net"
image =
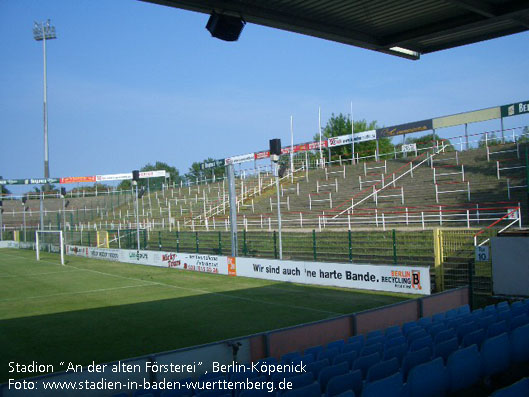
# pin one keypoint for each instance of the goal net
(49, 241)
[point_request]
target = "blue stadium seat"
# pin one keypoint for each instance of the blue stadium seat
(489, 309)
(464, 368)
(519, 321)
(390, 386)
(438, 317)
(465, 309)
(412, 359)
(445, 348)
(365, 362)
(256, 393)
(337, 344)
(476, 337)
(452, 313)
(416, 334)
(329, 372)
(341, 383)
(374, 340)
(517, 304)
(466, 328)
(175, 393)
(424, 321)
(329, 354)
(397, 351)
(520, 344)
(211, 376)
(348, 393)
(420, 343)
(356, 339)
(436, 328)
(301, 380)
(348, 358)
(505, 315)
(393, 330)
(312, 390)
(382, 370)
(355, 346)
(497, 328)
(370, 349)
(394, 341)
(145, 393)
(503, 305)
(281, 376)
(289, 357)
(306, 359)
(316, 367)
(485, 321)
(242, 376)
(428, 379)
(517, 310)
(407, 327)
(374, 334)
(520, 388)
(445, 335)
(495, 355)
(314, 350)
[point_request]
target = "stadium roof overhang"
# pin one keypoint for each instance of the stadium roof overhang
(406, 28)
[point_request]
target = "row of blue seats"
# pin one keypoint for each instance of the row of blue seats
(365, 360)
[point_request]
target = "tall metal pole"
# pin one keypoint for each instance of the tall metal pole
(291, 149)
(319, 129)
(276, 172)
(353, 161)
(233, 209)
(42, 32)
(41, 208)
(137, 218)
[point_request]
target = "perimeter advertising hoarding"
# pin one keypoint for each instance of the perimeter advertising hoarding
(243, 158)
(346, 139)
(128, 175)
(515, 109)
(212, 164)
(29, 181)
(408, 128)
(77, 179)
(412, 280)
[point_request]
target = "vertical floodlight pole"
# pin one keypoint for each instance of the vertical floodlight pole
(275, 152)
(135, 179)
(41, 208)
(233, 209)
(41, 32)
(466, 135)
(63, 196)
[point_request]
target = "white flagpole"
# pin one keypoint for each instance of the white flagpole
(292, 149)
(319, 128)
(352, 135)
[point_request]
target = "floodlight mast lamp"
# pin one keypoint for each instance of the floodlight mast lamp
(43, 31)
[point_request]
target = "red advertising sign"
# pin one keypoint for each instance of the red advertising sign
(77, 179)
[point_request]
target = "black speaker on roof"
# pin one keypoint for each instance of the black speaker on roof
(63, 192)
(275, 147)
(225, 27)
(136, 175)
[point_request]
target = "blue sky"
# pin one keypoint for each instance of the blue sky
(131, 83)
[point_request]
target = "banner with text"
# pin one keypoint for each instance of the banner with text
(408, 128)
(515, 109)
(412, 280)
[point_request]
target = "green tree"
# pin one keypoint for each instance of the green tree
(3, 189)
(427, 141)
(341, 125)
(154, 183)
(490, 140)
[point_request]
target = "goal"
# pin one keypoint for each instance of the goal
(51, 241)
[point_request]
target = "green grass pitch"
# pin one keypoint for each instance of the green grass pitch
(105, 311)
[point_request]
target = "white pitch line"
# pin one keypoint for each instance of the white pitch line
(36, 274)
(75, 293)
(226, 295)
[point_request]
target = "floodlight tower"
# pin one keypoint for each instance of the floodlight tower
(43, 31)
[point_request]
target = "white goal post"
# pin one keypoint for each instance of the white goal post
(52, 239)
